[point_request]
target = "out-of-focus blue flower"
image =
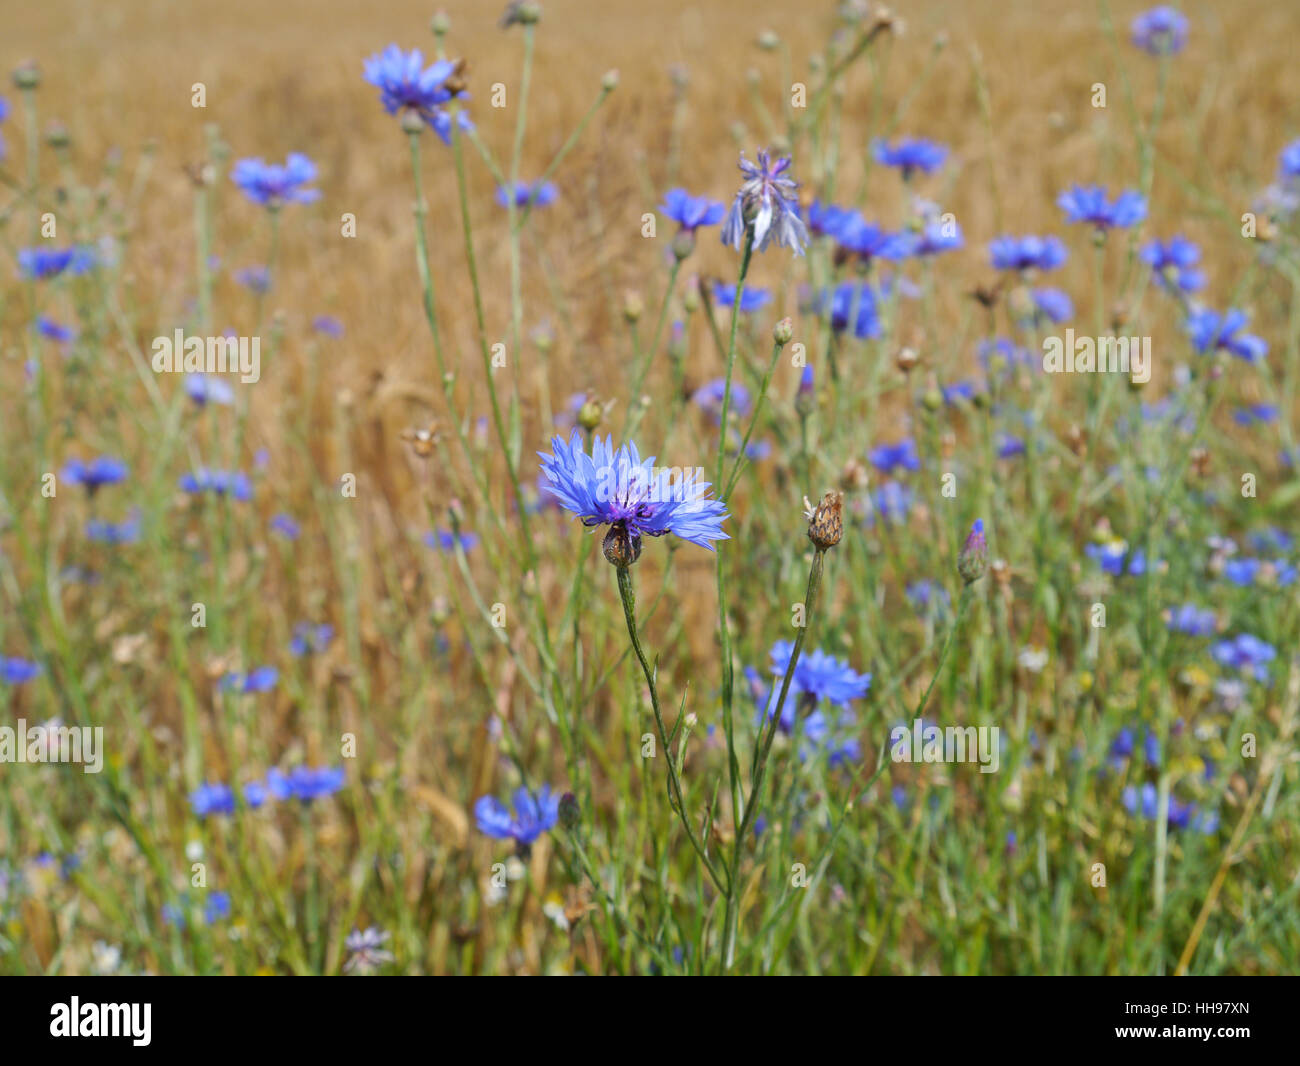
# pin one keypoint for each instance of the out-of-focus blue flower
(934, 238)
(1162, 31)
(262, 679)
(1027, 253)
(751, 299)
(1241, 571)
(15, 671)
(1151, 748)
(1288, 161)
(868, 241)
(1008, 446)
(1246, 653)
(1173, 263)
(233, 483)
(910, 155)
(216, 907)
(1053, 304)
(892, 502)
(41, 264)
(214, 798)
(285, 526)
(1181, 815)
(1258, 413)
(957, 392)
(765, 203)
(327, 325)
(205, 388)
(256, 794)
(47, 327)
(273, 185)
(1192, 620)
(1271, 539)
(1090, 203)
(1121, 748)
(405, 84)
(309, 638)
(889, 458)
(533, 815)
(929, 598)
(446, 540)
(856, 302)
(708, 398)
(255, 278)
(692, 212)
(1211, 331)
(528, 194)
(103, 532)
(615, 487)
(1116, 559)
(1002, 355)
(94, 475)
(305, 783)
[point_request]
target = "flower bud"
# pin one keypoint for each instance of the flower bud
(412, 123)
(589, 415)
(610, 81)
(683, 244)
(783, 332)
(440, 24)
(973, 559)
(826, 524)
(27, 76)
(768, 41)
(622, 548)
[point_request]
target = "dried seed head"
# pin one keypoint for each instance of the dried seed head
(826, 522)
(570, 812)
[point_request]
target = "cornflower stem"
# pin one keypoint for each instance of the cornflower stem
(749, 431)
(963, 601)
(724, 631)
(643, 363)
(763, 749)
(628, 597)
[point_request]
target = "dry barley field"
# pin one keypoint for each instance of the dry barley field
(672, 488)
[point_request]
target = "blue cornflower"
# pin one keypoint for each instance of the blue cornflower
(1121, 747)
(1053, 304)
(1241, 571)
(1089, 203)
(15, 671)
(765, 203)
(1255, 414)
(1151, 748)
(856, 301)
(255, 278)
(95, 474)
(263, 679)
(533, 816)
(934, 238)
(1116, 559)
(234, 483)
(889, 458)
(446, 540)
(406, 85)
(751, 299)
(869, 241)
(216, 907)
(273, 185)
(830, 220)
(1192, 620)
(1162, 31)
(1173, 263)
(305, 783)
(212, 799)
(1289, 160)
(1271, 539)
(616, 488)
(256, 794)
(928, 598)
(127, 532)
(709, 397)
(892, 501)
(309, 638)
(47, 327)
(327, 325)
(1245, 653)
(1181, 815)
(528, 193)
(1008, 446)
(204, 389)
(910, 155)
(41, 264)
(285, 526)
(819, 676)
(1002, 355)
(1211, 331)
(957, 392)
(692, 212)
(1027, 253)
